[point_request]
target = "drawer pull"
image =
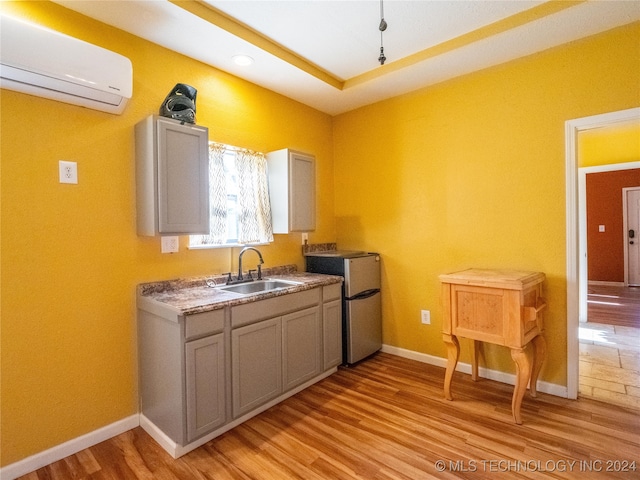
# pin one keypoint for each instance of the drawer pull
(529, 314)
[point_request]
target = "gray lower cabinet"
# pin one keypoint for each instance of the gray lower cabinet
(275, 346)
(182, 372)
(256, 358)
(205, 381)
(301, 347)
(273, 356)
(200, 373)
(332, 333)
(332, 325)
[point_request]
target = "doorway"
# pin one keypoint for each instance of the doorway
(609, 364)
(631, 217)
(576, 234)
(609, 334)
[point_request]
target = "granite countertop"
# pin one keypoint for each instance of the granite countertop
(194, 295)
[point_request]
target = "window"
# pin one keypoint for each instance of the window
(238, 199)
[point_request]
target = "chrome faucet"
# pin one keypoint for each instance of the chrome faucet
(240, 263)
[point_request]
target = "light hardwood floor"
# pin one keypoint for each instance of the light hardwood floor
(614, 305)
(387, 419)
(610, 346)
(610, 363)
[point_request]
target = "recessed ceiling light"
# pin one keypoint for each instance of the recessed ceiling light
(242, 60)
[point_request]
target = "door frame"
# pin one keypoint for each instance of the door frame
(625, 229)
(575, 248)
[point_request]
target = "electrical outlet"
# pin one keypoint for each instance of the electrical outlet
(426, 317)
(305, 238)
(170, 244)
(68, 171)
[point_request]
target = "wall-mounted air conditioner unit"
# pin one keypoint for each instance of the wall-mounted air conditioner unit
(45, 63)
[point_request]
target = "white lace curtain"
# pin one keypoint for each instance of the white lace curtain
(253, 208)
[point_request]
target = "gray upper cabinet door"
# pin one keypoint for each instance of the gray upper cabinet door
(292, 190)
(172, 177)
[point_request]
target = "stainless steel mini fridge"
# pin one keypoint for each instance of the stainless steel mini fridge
(361, 306)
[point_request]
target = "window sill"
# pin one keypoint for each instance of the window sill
(226, 245)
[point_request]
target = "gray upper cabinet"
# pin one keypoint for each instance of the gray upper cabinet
(292, 190)
(172, 177)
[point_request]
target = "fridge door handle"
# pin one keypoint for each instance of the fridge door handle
(366, 294)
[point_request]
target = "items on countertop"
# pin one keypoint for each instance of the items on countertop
(318, 247)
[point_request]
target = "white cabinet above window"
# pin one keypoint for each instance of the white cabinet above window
(292, 190)
(172, 177)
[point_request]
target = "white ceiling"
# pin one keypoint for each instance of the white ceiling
(426, 42)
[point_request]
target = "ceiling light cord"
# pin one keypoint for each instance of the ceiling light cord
(382, 27)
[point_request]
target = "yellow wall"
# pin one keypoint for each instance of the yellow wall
(609, 145)
(471, 173)
(70, 255)
(466, 173)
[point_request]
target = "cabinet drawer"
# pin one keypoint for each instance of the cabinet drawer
(273, 307)
(332, 292)
(204, 323)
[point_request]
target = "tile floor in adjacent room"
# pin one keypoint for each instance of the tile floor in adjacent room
(610, 363)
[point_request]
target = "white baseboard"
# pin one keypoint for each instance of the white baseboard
(47, 457)
(176, 450)
(71, 447)
(603, 283)
(508, 378)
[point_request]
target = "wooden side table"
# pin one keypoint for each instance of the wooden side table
(500, 307)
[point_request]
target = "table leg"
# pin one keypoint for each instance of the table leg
(539, 353)
(474, 360)
(523, 374)
(453, 352)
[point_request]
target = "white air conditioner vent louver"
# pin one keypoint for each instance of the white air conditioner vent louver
(46, 63)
